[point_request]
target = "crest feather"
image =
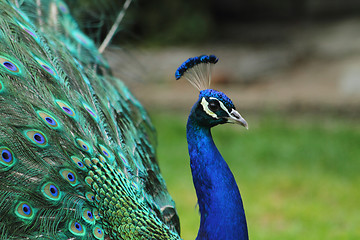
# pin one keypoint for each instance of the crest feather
(197, 71)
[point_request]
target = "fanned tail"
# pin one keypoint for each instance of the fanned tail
(77, 156)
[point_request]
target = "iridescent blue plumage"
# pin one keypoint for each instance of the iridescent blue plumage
(219, 199)
(220, 204)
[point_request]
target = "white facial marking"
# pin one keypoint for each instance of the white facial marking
(205, 105)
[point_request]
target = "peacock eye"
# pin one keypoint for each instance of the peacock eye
(214, 105)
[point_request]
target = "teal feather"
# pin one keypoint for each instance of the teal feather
(77, 149)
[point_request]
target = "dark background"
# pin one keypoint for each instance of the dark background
(161, 22)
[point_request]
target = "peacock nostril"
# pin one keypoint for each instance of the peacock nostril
(235, 114)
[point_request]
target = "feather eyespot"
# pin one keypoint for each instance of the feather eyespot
(76, 228)
(66, 108)
(51, 191)
(7, 159)
(101, 158)
(63, 8)
(6, 155)
(46, 67)
(87, 162)
(24, 210)
(48, 119)
(90, 111)
(89, 181)
(90, 196)
(88, 216)
(78, 162)
(106, 152)
(96, 214)
(36, 137)
(123, 159)
(69, 176)
(95, 160)
(28, 30)
(9, 65)
(82, 38)
(98, 233)
(83, 145)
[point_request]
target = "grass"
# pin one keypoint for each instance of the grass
(299, 177)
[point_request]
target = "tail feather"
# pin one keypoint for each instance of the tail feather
(77, 156)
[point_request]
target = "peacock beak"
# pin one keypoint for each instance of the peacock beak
(236, 118)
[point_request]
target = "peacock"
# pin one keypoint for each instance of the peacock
(77, 149)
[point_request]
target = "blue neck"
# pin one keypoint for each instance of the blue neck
(220, 204)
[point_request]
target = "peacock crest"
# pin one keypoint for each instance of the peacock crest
(197, 71)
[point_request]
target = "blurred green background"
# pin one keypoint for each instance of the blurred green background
(292, 70)
(298, 176)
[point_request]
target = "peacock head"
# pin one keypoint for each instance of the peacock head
(213, 107)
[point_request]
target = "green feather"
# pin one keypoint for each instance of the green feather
(77, 149)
